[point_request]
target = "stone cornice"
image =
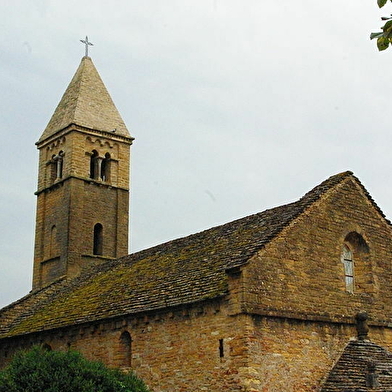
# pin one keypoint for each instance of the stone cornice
(87, 131)
(89, 180)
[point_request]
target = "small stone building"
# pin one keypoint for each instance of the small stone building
(295, 298)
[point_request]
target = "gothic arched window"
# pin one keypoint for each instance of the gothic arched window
(98, 239)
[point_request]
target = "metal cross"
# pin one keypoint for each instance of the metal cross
(85, 41)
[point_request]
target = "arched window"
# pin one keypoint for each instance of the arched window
(98, 239)
(105, 168)
(56, 167)
(125, 350)
(94, 169)
(59, 165)
(356, 261)
(53, 169)
(347, 260)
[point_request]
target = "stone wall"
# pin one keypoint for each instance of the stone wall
(297, 355)
(197, 348)
(69, 206)
(202, 348)
(300, 273)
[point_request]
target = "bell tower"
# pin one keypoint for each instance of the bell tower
(83, 182)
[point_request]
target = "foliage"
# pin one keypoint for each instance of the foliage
(40, 370)
(384, 37)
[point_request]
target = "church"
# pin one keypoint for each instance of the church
(294, 298)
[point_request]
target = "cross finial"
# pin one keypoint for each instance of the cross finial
(85, 41)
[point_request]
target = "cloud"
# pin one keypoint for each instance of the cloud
(235, 106)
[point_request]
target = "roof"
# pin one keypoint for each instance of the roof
(87, 103)
(361, 363)
(183, 271)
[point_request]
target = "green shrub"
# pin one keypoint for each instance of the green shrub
(39, 370)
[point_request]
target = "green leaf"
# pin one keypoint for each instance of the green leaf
(387, 25)
(381, 3)
(387, 29)
(382, 43)
(376, 35)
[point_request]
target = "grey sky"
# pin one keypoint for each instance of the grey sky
(236, 106)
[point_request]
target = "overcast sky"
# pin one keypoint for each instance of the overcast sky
(235, 106)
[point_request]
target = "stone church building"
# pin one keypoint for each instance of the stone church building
(295, 298)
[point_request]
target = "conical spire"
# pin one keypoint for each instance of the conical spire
(86, 103)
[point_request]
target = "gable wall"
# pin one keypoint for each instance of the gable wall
(300, 273)
(303, 317)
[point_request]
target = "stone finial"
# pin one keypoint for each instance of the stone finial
(361, 324)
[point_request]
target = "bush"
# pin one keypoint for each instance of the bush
(39, 370)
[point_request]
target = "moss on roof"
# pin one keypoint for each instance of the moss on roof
(183, 271)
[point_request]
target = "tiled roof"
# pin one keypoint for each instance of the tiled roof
(87, 103)
(363, 366)
(183, 271)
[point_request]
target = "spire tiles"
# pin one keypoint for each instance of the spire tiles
(87, 103)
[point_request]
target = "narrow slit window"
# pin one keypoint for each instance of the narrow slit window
(98, 239)
(53, 169)
(221, 349)
(94, 165)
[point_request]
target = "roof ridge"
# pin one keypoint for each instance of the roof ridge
(79, 87)
(329, 183)
(304, 202)
(372, 201)
(157, 277)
